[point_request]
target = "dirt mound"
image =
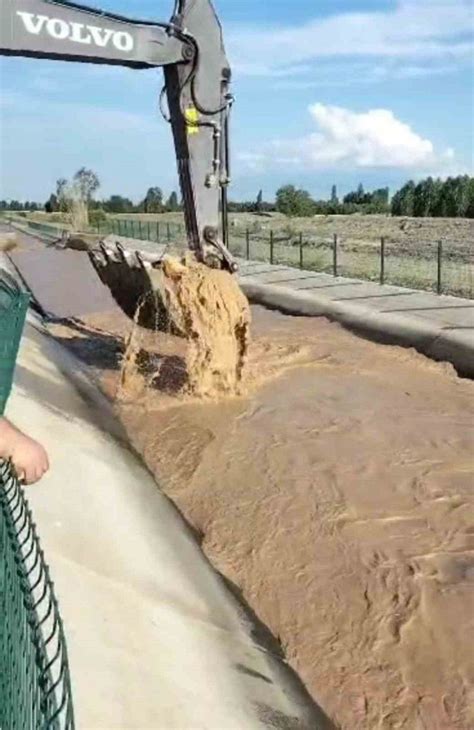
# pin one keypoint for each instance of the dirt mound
(208, 308)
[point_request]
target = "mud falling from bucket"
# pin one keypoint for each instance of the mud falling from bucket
(208, 309)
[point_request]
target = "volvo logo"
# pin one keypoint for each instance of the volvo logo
(77, 32)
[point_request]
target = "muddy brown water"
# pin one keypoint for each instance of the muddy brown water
(336, 493)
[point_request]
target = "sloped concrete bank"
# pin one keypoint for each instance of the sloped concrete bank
(429, 338)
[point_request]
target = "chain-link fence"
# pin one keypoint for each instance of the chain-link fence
(13, 308)
(35, 687)
(35, 690)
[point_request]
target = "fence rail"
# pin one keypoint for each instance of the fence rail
(35, 687)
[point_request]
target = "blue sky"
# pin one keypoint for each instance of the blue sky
(328, 91)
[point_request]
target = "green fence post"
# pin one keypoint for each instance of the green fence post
(439, 284)
(247, 244)
(334, 255)
(271, 247)
(140, 234)
(157, 231)
(301, 250)
(382, 260)
(168, 232)
(149, 231)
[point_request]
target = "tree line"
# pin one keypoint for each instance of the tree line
(83, 186)
(433, 197)
(450, 198)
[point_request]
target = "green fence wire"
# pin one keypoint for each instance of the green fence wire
(35, 687)
(13, 308)
(144, 230)
(35, 690)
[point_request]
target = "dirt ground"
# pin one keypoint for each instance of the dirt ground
(336, 494)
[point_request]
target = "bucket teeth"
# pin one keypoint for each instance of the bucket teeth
(129, 278)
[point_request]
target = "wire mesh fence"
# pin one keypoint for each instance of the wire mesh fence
(35, 687)
(440, 266)
(13, 308)
(145, 230)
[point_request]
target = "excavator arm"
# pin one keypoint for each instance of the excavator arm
(197, 79)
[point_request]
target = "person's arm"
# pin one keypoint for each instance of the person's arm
(28, 457)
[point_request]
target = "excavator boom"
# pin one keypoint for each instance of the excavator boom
(197, 77)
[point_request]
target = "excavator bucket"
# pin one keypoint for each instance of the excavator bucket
(134, 282)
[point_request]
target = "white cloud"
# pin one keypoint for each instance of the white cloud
(344, 138)
(412, 30)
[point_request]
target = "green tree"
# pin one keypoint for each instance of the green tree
(153, 201)
(294, 202)
(358, 197)
(259, 202)
(97, 217)
(172, 203)
(334, 198)
(86, 183)
(61, 194)
(403, 200)
(423, 198)
(470, 199)
(52, 204)
(462, 195)
(118, 204)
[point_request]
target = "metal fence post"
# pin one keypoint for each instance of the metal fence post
(301, 250)
(271, 247)
(157, 231)
(168, 232)
(382, 260)
(334, 255)
(439, 284)
(149, 231)
(247, 244)
(140, 229)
